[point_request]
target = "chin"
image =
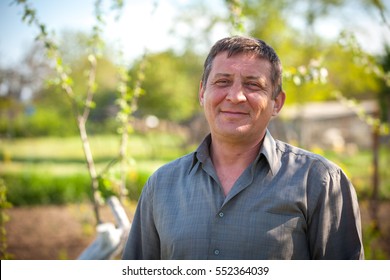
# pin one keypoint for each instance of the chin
(236, 133)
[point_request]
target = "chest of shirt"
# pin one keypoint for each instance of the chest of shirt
(260, 218)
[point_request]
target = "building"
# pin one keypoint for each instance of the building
(326, 125)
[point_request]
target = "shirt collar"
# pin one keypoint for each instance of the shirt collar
(268, 149)
(202, 152)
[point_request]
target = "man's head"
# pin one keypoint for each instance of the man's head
(241, 89)
(239, 44)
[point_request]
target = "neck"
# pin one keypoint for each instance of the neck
(234, 153)
(231, 159)
(226, 154)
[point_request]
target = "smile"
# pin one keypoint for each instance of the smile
(233, 112)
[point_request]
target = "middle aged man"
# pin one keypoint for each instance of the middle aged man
(242, 194)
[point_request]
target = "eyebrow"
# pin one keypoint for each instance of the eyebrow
(260, 79)
(253, 77)
(223, 75)
(217, 75)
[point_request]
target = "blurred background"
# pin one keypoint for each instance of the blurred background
(96, 95)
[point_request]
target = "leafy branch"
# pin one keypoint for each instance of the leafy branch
(353, 104)
(378, 4)
(127, 102)
(4, 218)
(316, 73)
(81, 113)
(313, 72)
(235, 15)
(349, 43)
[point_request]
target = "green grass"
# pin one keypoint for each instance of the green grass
(53, 170)
(359, 168)
(104, 147)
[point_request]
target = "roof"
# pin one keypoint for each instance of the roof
(327, 110)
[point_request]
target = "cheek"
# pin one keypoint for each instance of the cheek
(213, 99)
(261, 106)
(258, 103)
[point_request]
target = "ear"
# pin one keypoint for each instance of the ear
(278, 103)
(201, 93)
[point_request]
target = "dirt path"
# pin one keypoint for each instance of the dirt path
(52, 232)
(63, 232)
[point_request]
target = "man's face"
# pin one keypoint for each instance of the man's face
(237, 98)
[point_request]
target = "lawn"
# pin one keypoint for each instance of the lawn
(57, 164)
(359, 168)
(52, 171)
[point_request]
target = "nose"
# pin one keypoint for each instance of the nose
(236, 94)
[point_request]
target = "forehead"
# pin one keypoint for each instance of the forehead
(245, 64)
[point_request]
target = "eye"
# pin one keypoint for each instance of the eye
(222, 82)
(253, 86)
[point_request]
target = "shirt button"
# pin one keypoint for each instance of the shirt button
(220, 214)
(216, 252)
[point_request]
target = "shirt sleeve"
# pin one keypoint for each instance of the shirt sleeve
(334, 223)
(143, 242)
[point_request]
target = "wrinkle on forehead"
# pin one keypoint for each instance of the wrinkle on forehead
(244, 65)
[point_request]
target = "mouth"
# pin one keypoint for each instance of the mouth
(231, 113)
(227, 111)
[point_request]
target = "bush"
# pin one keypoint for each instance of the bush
(48, 189)
(39, 122)
(136, 184)
(38, 189)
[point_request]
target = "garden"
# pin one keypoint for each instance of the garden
(49, 188)
(79, 123)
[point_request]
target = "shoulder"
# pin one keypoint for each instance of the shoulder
(167, 180)
(172, 170)
(299, 156)
(180, 164)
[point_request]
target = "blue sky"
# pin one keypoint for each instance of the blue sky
(78, 15)
(16, 36)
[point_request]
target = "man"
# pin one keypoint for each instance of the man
(242, 194)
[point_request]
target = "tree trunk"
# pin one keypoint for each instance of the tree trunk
(375, 176)
(91, 166)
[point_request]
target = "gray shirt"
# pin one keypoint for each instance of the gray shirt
(288, 204)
